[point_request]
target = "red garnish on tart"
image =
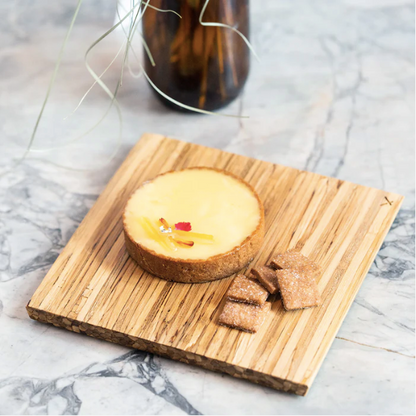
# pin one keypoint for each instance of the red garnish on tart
(183, 226)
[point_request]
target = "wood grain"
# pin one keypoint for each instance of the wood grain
(96, 289)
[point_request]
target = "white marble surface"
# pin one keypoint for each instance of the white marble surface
(334, 94)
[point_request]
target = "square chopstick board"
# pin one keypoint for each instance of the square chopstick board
(95, 288)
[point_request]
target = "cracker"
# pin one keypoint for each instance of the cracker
(245, 290)
(267, 277)
(243, 316)
(295, 260)
(298, 289)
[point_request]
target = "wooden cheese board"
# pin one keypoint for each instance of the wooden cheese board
(95, 288)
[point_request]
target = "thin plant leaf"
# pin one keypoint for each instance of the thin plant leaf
(165, 10)
(102, 84)
(137, 20)
(187, 107)
(145, 45)
(213, 24)
(97, 80)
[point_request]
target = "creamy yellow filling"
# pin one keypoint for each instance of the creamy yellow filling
(214, 203)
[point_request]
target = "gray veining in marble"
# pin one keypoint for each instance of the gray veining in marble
(333, 94)
(63, 395)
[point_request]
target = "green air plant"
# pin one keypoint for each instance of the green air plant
(133, 17)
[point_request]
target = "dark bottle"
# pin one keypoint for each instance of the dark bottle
(200, 66)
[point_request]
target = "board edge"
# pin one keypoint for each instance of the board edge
(310, 380)
(165, 351)
(162, 136)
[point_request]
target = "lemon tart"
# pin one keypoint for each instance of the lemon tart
(194, 225)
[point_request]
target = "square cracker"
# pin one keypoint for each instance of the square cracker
(245, 290)
(296, 260)
(267, 277)
(243, 316)
(298, 289)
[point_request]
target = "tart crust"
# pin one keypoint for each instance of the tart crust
(198, 270)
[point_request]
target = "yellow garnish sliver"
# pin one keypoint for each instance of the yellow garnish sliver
(177, 238)
(164, 223)
(181, 243)
(196, 240)
(192, 235)
(154, 233)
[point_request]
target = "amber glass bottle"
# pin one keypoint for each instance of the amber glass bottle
(200, 66)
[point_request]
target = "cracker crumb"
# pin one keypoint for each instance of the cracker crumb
(245, 290)
(295, 260)
(243, 316)
(267, 277)
(298, 289)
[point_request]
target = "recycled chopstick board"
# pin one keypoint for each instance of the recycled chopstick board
(96, 289)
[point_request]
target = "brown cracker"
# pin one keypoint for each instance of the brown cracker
(296, 260)
(243, 316)
(298, 289)
(245, 290)
(267, 277)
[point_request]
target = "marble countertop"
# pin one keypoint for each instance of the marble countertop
(333, 94)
